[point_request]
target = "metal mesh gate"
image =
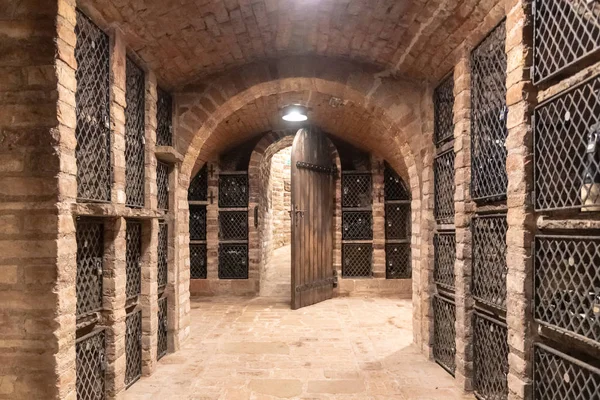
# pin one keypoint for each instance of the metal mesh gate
(397, 221)
(197, 222)
(394, 187)
(133, 347)
(567, 283)
(90, 251)
(92, 108)
(559, 376)
(397, 261)
(133, 254)
(134, 135)
(162, 185)
(233, 261)
(163, 254)
(567, 149)
(356, 190)
(90, 360)
(198, 261)
(162, 330)
(198, 189)
(444, 333)
(357, 225)
(489, 259)
(444, 187)
(233, 190)
(357, 260)
(488, 117)
(164, 118)
(443, 105)
(490, 358)
(564, 33)
(233, 225)
(444, 245)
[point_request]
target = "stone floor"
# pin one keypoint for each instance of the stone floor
(344, 348)
(276, 281)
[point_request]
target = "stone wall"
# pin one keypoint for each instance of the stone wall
(280, 191)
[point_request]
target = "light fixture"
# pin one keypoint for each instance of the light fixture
(294, 113)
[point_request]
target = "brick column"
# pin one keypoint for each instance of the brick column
(149, 296)
(117, 114)
(378, 210)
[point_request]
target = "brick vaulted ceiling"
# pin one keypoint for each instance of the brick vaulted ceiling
(186, 40)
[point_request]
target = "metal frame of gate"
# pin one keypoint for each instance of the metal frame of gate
(397, 220)
(198, 201)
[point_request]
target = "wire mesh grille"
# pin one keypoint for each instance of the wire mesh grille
(233, 191)
(356, 190)
(133, 254)
(564, 33)
(490, 358)
(233, 261)
(488, 117)
(162, 186)
(567, 149)
(233, 225)
(397, 221)
(567, 284)
(444, 246)
(92, 108)
(198, 261)
(394, 187)
(198, 190)
(163, 254)
(197, 222)
(90, 251)
(397, 261)
(90, 359)
(489, 259)
(444, 188)
(443, 105)
(134, 135)
(133, 347)
(164, 118)
(161, 346)
(559, 376)
(357, 260)
(444, 333)
(357, 225)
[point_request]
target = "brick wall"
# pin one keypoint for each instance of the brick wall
(280, 192)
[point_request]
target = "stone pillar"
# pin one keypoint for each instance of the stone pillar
(117, 114)
(149, 296)
(378, 211)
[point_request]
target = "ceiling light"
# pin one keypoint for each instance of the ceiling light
(295, 113)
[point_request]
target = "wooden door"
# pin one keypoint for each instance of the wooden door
(313, 174)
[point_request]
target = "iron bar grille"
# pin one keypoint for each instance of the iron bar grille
(394, 187)
(90, 359)
(162, 185)
(444, 187)
(92, 108)
(356, 190)
(198, 261)
(163, 254)
(233, 191)
(488, 117)
(444, 333)
(357, 260)
(198, 190)
(490, 358)
(567, 149)
(162, 330)
(233, 261)
(357, 225)
(559, 376)
(567, 284)
(133, 255)
(197, 222)
(164, 119)
(489, 259)
(397, 221)
(444, 247)
(564, 33)
(398, 261)
(134, 134)
(443, 105)
(133, 347)
(90, 251)
(233, 225)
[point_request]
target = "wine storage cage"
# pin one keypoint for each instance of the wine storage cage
(444, 248)
(197, 222)
(357, 260)
(90, 359)
(567, 149)
(357, 225)
(92, 108)
(397, 261)
(397, 221)
(162, 186)
(133, 254)
(198, 190)
(564, 33)
(164, 118)
(488, 117)
(444, 187)
(490, 358)
(163, 254)
(133, 347)
(443, 106)
(198, 261)
(90, 253)
(233, 261)
(233, 225)
(356, 190)
(394, 187)
(233, 190)
(444, 333)
(161, 347)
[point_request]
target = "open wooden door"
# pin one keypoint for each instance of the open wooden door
(313, 174)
